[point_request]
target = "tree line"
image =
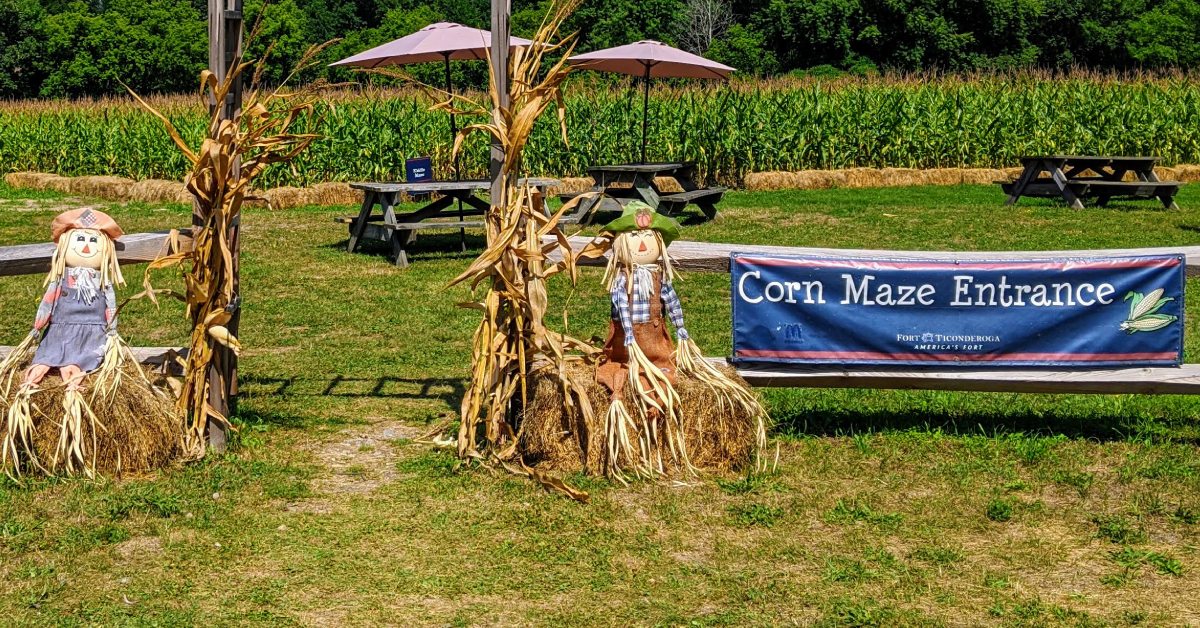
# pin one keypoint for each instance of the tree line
(57, 48)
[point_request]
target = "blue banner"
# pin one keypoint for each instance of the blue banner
(1112, 311)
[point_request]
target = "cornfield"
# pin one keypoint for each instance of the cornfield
(729, 131)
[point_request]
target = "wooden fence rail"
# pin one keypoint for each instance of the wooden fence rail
(1146, 381)
(714, 256)
(132, 248)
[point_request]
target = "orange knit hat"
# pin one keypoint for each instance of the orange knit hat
(85, 218)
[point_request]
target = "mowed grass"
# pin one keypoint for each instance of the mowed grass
(888, 507)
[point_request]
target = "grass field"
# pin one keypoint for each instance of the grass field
(888, 507)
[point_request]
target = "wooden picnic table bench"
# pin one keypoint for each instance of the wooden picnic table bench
(614, 184)
(1079, 177)
(401, 229)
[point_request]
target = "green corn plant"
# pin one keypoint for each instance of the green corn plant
(749, 125)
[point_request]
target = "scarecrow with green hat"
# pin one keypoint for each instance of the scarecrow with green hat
(640, 363)
(639, 279)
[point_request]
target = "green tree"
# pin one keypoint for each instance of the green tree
(746, 49)
(21, 44)
(806, 33)
(1168, 35)
(153, 46)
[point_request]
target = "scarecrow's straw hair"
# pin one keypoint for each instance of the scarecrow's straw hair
(110, 268)
(622, 260)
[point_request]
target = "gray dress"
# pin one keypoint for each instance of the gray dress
(77, 329)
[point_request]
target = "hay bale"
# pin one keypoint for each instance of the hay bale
(321, 195)
(875, 178)
(105, 187)
(798, 180)
(32, 180)
(334, 193)
(159, 191)
(985, 176)
(284, 197)
(571, 185)
(1185, 173)
(553, 439)
(142, 430)
(668, 185)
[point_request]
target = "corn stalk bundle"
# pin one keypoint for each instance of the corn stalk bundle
(233, 154)
(512, 335)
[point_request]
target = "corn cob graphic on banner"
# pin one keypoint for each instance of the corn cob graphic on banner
(1143, 312)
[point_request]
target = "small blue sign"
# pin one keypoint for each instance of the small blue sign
(418, 169)
(1112, 311)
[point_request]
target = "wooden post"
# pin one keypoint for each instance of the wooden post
(224, 48)
(501, 10)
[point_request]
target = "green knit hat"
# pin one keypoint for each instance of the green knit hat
(638, 215)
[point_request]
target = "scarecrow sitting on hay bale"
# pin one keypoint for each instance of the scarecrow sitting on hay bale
(58, 425)
(686, 413)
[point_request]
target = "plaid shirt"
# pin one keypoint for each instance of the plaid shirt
(639, 310)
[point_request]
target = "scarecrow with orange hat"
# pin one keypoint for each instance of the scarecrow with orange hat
(75, 336)
(78, 314)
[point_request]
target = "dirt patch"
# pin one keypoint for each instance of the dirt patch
(362, 458)
(139, 547)
(803, 220)
(42, 205)
(310, 507)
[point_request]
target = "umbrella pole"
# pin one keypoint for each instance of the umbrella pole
(645, 106)
(462, 233)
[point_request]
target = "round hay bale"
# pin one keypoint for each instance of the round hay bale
(141, 430)
(718, 438)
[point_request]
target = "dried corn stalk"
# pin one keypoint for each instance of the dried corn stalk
(232, 155)
(512, 335)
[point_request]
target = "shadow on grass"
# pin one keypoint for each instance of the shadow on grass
(1096, 427)
(383, 387)
(443, 245)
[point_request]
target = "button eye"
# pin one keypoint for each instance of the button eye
(79, 238)
(93, 239)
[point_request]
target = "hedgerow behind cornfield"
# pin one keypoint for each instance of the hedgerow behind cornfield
(729, 131)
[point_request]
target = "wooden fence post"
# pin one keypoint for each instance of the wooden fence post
(224, 48)
(501, 10)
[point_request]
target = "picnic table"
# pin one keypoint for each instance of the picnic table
(637, 181)
(401, 229)
(1078, 177)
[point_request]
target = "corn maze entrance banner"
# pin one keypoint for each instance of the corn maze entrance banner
(1112, 311)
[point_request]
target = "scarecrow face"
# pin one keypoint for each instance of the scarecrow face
(85, 248)
(643, 246)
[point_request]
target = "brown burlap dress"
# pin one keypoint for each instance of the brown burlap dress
(651, 337)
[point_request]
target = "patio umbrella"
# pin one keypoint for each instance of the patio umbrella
(443, 41)
(650, 59)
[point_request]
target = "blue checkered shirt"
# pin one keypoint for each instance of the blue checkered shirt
(639, 310)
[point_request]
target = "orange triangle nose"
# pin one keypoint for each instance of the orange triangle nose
(87, 250)
(642, 248)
